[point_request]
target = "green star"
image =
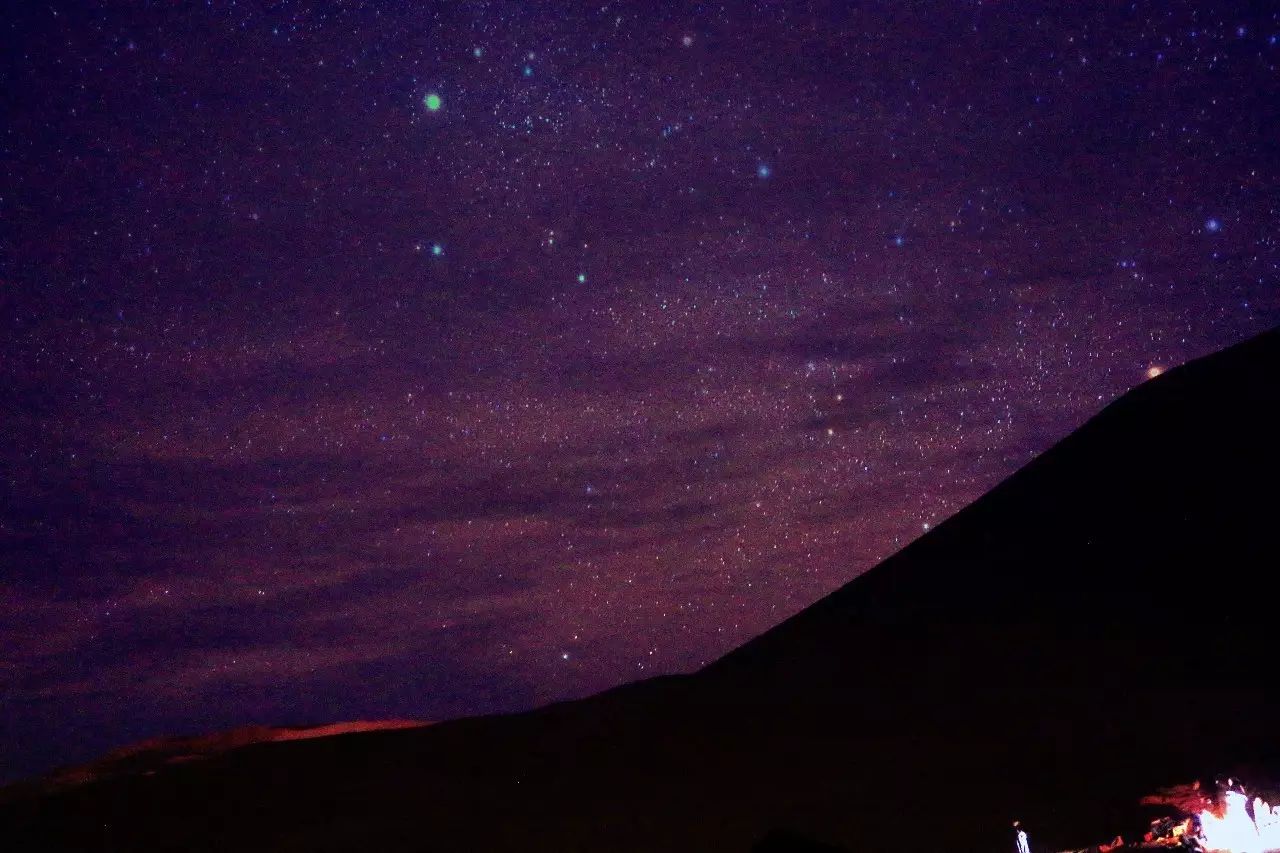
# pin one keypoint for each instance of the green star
(433, 102)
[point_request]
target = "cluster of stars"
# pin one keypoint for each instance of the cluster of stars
(729, 312)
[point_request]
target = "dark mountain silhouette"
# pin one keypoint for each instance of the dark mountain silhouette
(150, 756)
(1099, 626)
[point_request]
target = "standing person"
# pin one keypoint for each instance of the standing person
(1020, 835)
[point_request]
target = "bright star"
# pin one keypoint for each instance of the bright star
(437, 249)
(1154, 370)
(1213, 226)
(763, 170)
(528, 71)
(432, 101)
(582, 278)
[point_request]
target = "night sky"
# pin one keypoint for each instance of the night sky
(421, 360)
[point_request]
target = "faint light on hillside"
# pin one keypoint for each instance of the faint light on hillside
(1154, 370)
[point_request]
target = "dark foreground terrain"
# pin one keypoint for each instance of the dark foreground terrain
(1100, 625)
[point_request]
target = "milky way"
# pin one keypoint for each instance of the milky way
(403, 360)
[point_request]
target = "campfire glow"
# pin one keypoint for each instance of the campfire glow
(1232, 828)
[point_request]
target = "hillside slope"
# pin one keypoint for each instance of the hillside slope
(1096, 627)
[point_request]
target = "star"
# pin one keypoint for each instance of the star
(763, 171)
(1213, 226)
(432, 101)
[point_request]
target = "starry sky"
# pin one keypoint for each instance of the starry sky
(419, 360)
